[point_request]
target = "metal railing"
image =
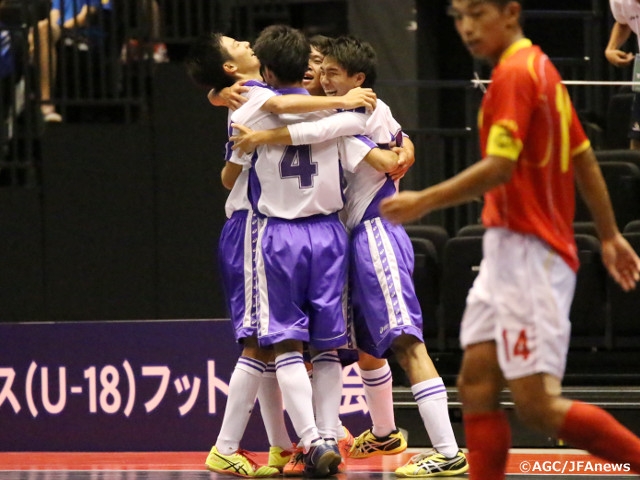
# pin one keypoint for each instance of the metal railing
(101, 71)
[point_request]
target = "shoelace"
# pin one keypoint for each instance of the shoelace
(286, 453)
(249, 456)
(421, 456)
(296, 454)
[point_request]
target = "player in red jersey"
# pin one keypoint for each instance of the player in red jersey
(515, 330)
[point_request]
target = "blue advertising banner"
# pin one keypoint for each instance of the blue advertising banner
(128, 386)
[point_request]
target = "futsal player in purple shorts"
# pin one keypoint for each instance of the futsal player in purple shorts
(215, 62)
(302, 263)
(381, 263)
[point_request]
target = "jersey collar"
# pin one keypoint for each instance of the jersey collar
(290, 90)
(514, 47)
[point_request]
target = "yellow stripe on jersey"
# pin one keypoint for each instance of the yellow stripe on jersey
(581, 148)
(502, 144)
(531, 67)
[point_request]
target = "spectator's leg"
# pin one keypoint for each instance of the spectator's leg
(48, 36)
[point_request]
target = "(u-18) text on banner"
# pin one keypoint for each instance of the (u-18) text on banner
(128, 386)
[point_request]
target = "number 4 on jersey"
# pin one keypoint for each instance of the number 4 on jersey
(296, 163)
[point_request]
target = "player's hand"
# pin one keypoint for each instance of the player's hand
(243, 138)
(621, 261)
(405, 160)
(230, 97)
(618, 57)
(360, 97)
(403, 207)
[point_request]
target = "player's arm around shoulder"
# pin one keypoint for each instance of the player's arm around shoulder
(382, 160)
(246, 140)
(304, 133)
(355, 98)
(231, 97)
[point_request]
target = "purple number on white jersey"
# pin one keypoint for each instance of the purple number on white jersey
(296, 162)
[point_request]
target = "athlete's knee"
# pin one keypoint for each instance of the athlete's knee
(250, 348)
(480, 379)
(478, 394)
(407, 348)
(288, 346)
(369, 362)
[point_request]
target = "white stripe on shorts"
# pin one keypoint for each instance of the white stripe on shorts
(385, 264)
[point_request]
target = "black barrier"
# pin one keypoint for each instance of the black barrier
(20, 124)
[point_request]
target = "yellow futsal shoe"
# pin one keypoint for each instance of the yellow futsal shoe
(238, 464)
(433, 464)
(279, 457)
(368, 445)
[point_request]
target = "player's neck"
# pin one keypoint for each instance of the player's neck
(282, 85)
(515, 37)
(255, 75)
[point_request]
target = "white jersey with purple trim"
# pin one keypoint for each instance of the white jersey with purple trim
(238, 199)
(365, 185)
(294, 181)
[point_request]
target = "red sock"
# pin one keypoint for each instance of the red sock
(590, 428)
(488, 438)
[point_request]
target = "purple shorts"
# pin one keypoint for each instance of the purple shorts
(302, 270)
(383, 296)
(236, 256)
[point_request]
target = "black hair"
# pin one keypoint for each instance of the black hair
(285, 51)
(355, 55)
(502, 3)
(205, 62)
(321, 43)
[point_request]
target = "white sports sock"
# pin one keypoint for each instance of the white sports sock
(297, 395)
(243, 389)
(272, 409)
(431, 397)
(378, 385)
(327, 390)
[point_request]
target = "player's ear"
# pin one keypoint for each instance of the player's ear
(229, 68)
(267, 75)
(513, 11)
(360, 77)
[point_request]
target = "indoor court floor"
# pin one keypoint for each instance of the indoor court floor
(523, 464)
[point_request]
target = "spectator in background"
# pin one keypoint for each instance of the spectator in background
(72, 13)
(48, 34)
(8, 77)
(626, 14)
(152, 10)
(7, 61)
(63, 15)
(147, 43)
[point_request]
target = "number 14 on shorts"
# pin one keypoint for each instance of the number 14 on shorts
(515, 344)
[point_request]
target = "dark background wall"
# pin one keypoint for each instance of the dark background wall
(125, 220)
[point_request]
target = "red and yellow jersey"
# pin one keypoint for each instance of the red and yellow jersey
(527, 116)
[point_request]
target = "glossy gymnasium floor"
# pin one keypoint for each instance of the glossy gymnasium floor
(523, 464)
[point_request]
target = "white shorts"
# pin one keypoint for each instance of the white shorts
(521, 299)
